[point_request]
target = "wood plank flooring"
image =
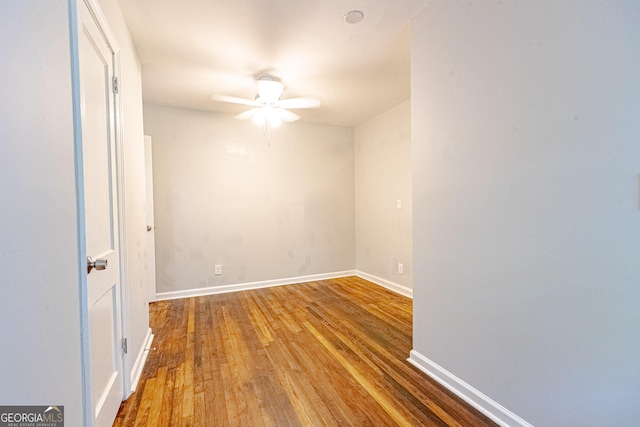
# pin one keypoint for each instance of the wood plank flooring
(324, 353)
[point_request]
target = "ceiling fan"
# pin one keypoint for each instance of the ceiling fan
(269, 110)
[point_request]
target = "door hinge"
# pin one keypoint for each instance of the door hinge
(124, 345)
(115, 84)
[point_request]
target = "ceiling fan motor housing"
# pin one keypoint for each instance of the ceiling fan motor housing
(269, 90)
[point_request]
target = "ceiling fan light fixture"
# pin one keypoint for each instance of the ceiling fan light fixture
(259, 118)
(267, 116)
(273, 119)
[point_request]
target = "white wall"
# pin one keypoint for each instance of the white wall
(138, 258)
(40, 361)
(39, 262)
(223, 196)
(526, 164)
(382, 177)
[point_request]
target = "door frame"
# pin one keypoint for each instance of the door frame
(101, 22)
(151, 221)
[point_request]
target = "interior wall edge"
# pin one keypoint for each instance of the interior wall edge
(466, 392)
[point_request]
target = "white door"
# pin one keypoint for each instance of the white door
(101, 219)
(151, 238)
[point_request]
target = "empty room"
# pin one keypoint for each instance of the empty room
(315, 213)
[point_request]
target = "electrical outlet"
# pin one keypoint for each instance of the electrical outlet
(218, 269)
(400, 268)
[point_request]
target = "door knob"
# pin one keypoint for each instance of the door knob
(149, 228)
(98, 264)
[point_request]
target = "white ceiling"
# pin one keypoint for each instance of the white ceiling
(192, 49)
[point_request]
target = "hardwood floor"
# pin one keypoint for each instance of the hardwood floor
(322, 353)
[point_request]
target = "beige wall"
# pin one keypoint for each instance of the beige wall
(526, 154)
(382, 177)
(223, 196)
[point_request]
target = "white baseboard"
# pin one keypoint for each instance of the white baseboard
(138, 365)
(392, 286)
(188, 293)
(475, 398)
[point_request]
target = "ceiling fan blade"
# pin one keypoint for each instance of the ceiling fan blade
(287, 116)
(246, 115)
(304, 102)
(233, 100)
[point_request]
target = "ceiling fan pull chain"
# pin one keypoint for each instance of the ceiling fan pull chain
(267, 134)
